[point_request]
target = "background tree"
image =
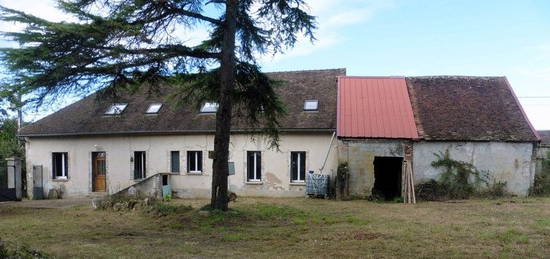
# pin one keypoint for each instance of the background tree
(121, 44)
(9, 144)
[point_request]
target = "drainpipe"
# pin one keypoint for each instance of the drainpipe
(328, 152)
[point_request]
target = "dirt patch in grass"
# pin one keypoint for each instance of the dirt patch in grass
(294, 228)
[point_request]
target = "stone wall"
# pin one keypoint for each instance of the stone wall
(360, 154)
(512, 163)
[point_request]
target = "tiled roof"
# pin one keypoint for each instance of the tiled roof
(465, 108)
(375, 107)
(86, 117)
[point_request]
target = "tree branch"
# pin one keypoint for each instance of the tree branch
(166, 49)
(199, 16)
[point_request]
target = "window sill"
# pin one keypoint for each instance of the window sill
(195, 173)
(298, 183)
(60, 180)
(255, 183)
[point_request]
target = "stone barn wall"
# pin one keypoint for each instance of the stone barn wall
(360, 154)
(512, 163)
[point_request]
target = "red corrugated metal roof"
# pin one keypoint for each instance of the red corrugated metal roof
(375, 107)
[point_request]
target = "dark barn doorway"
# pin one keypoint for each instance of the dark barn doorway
(387, 177)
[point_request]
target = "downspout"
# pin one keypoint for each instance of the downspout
(328, 152)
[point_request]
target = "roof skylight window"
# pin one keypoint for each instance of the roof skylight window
(311, 105)
(209, 107)
(116, 109)
(154, 108)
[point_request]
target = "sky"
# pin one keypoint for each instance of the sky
(408, 38)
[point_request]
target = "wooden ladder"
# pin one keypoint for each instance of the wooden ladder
(407, 187)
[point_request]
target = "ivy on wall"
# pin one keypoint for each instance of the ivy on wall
(459, 180)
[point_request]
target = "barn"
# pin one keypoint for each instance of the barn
(388, 123)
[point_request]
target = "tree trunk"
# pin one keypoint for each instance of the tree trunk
(223, 116)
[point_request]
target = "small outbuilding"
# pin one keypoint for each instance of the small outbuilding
(383, 122)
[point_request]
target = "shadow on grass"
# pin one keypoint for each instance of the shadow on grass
(238, 223)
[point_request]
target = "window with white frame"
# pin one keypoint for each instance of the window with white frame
(194, 161)
(60, 165)
(154, 108)
(254, 166)
(311, 105)
(209, 107)
(298, 167)
(116, 109)
(140, 165)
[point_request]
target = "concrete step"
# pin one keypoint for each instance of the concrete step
(94, 195)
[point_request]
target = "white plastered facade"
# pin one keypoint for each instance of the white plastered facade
(119, 151)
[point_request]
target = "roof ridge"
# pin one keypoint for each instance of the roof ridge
(455, 76)
(307, 70)
(374, 77)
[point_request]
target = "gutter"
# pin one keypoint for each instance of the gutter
(328, 152)
(436, 140)
(163, 132)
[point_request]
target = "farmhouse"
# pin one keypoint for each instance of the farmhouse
(97, 145)
(384, 125)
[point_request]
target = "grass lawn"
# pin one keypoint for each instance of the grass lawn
(300, 227)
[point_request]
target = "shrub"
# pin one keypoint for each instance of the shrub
(341, 182)
(164, 209)
(541, 185)
(460, 179)
(122, 202)
(495, 190)
(148, 204)
(430, 191)
(20, 252)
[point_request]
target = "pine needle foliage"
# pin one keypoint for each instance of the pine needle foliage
(120, 44)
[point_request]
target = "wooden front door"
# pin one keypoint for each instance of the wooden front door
(99, 172)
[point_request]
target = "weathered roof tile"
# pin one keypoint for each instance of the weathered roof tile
(86, 117)
(465, 108)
